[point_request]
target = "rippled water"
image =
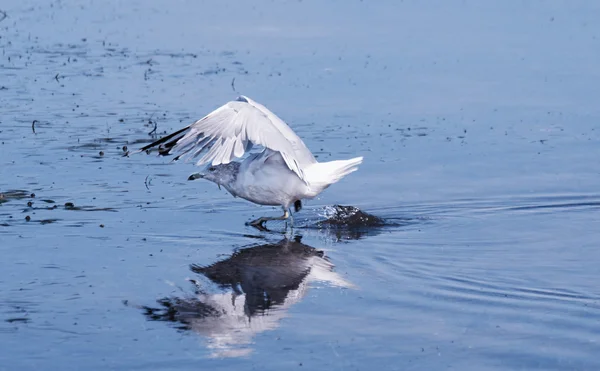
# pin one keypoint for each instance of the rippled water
(480, 127)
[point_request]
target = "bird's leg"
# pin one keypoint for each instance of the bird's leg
(291, 231)
(291, 220)
(258, 222)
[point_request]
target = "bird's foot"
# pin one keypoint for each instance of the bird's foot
(259, 223)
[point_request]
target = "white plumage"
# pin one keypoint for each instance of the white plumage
(284, 173)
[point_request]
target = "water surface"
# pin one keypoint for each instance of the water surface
(479, 123)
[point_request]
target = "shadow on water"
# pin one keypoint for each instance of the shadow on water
(257, 285)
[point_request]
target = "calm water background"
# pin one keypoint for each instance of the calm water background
(480, 127)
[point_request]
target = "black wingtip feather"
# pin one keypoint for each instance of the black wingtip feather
(297, 205)
(165, 149)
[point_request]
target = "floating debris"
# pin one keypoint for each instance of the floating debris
(16, 194)
(18, 319)
(48, 221)
(71, 206)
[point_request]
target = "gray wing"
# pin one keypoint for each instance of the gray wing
(230, 131)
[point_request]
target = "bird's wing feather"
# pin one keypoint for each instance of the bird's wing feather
(229, 132)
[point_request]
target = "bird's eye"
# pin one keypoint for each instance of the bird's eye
(212, 168)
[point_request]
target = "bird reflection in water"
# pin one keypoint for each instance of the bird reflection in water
(260, 283)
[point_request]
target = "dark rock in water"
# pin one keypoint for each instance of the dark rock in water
(351, 216)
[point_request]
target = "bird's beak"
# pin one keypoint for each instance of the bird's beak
(196, 176)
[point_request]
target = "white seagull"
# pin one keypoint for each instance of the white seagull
(283, 174)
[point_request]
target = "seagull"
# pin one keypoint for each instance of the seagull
(283, 174)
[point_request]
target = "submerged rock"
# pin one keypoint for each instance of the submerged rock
(350, 216)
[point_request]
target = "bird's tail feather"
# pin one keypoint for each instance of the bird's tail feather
(321, 175)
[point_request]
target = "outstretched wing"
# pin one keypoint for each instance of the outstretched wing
(230, 131)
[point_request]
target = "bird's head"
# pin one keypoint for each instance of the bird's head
(223, 174)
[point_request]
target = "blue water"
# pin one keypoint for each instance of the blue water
(480, 127)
